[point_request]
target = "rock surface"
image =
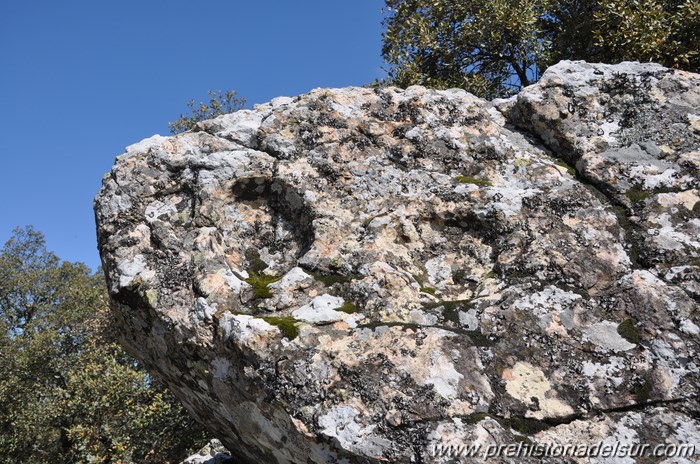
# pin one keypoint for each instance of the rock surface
(360, 275)
(211, 453)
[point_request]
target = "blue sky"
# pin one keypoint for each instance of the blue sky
(80, 80)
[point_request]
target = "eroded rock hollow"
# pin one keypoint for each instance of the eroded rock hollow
(360, 275)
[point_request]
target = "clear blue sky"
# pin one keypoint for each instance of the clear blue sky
(80, 80)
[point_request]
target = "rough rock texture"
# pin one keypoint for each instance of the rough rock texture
(357, 275)
(212, 453)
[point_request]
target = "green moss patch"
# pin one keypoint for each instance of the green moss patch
(521, 425)
(151, 297)
(259, 282)
(329, 280)
(526, 426)
(474, 418)
(628, 330)
(479, 339)
(471, 180)
(523, 439)
(450, 308)
(568, 168)
(521, 162)
(348, 307)
(404, 325)
(449, 305)
(423, 288)
(696, 209)
(286, 324)
(428, 290)
(200, 368)
(637, 194)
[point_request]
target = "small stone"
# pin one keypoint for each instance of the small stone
(393, 418)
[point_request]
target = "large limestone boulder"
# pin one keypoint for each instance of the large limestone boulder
(365, 275)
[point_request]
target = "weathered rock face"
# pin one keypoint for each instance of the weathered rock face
(212, 453)
(358, 275)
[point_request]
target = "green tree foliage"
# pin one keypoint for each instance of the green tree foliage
(488, 47)
(568, 30)
(663, 31)
(492, 47)
(68, 393)
(219, 103)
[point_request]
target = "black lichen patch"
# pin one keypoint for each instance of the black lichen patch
(172, 272)
(479, 339)
(284, 224)
(628, 330)
(256, 265)
(643, 392)
(471, 180)
(286, 324)
(461, 276)
(259, 282)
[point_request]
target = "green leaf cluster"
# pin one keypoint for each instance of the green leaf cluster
(219, 103)
(663, 31)
(260, 283)
(488, 47)
(68, 392)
